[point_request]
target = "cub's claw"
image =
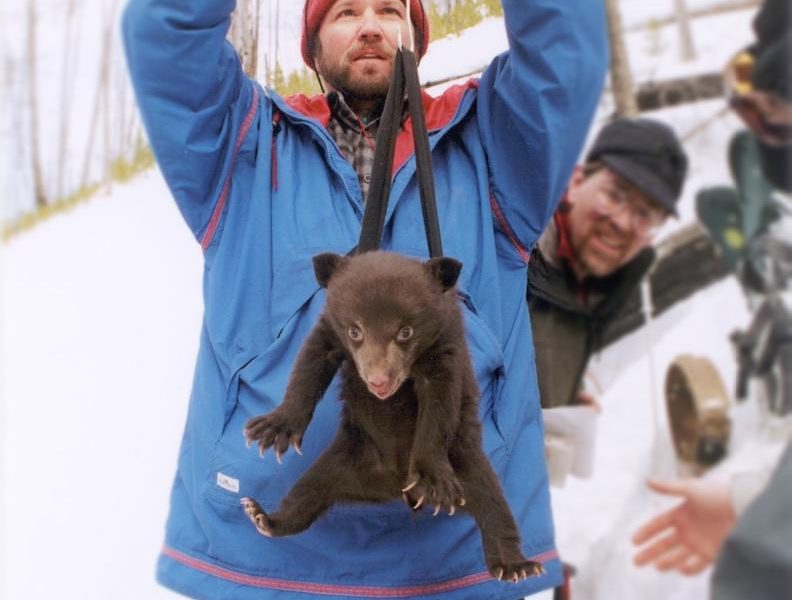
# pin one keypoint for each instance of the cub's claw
(411, 486)
(535, 569)
(296, 446)
(516, 572)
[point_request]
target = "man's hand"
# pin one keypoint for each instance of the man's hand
(586, 399)
(687, 538)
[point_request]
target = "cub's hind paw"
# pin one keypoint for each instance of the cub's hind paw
(516, 572)
(257, 516)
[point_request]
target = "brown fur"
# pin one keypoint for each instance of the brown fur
(410, 425)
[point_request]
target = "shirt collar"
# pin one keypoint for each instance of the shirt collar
(347, 117)
(561, 220)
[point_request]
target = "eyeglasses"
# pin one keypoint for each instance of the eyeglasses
(610, 201)
(768, 117)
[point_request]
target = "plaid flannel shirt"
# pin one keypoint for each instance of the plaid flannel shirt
(355, 137)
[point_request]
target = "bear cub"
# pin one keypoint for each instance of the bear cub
(409, 426)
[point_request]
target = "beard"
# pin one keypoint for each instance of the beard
(604, 250)
(357, 81)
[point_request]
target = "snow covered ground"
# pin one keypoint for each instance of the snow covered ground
(100, 326)
(101, 313)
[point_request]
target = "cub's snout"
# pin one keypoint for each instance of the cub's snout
(381, 366)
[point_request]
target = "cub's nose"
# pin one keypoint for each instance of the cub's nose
(379, 385)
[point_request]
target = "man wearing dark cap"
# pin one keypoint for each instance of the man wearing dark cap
(265, 183)
(597, 248)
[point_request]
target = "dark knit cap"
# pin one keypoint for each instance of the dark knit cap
(315, 11)
(646, 153)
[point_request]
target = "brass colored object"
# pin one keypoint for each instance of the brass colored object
(698, 411)
(743, 67)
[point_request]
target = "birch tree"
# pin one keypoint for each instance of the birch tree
(620, 74)
(244, 34)
(69, 56)
(101, 86)
(688, 50)
(39, 191)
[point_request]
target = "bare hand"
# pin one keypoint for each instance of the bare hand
(586, 399)
(687, 538)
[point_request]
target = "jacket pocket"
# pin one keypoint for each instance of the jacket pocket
(257, 387)
(488, 366)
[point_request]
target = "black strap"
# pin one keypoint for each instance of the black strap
(405, 75)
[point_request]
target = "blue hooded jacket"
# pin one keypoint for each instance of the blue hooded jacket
(263, 187)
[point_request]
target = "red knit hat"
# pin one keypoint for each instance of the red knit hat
(315, 11)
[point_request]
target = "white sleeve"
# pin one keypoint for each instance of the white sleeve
(746, 486)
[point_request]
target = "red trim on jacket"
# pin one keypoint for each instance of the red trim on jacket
(276, 127)
(218, 210)
(349, 591)
(504, 225)
(438, 112)
(315, 107)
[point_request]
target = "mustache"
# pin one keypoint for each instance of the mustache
(379, 49)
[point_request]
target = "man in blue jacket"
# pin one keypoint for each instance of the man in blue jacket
(264, 183)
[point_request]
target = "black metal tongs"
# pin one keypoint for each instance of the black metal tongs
(403, 78)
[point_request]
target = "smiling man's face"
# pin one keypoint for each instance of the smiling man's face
(356, 45)
(604, 239)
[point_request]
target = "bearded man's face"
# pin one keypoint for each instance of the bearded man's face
(356, 44)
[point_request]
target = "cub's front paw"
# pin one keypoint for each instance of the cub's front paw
(278, 430)
(436, 487)
(257, 515)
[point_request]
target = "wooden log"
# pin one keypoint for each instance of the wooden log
(654, 95)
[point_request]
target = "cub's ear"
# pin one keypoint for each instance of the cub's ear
(444, 270)
(325, 265)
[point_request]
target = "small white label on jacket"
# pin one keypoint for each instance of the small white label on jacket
(228, 483)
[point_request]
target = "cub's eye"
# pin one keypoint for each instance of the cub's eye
(405, 333)
(355, 334)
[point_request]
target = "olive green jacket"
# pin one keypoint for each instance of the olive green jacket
(572, 321)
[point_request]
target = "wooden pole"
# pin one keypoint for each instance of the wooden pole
(621, 76)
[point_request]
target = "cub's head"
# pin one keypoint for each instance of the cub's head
(387, 310)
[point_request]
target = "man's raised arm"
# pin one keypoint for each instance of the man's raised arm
(192, 94)
(535, 106)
